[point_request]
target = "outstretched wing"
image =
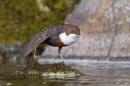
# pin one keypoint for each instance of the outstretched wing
(40, 37)
(32, 44)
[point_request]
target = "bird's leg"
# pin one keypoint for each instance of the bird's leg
(59, 51)
(32, 59)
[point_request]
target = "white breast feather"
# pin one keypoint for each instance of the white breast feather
(70, 39)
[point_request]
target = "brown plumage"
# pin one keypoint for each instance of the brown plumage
(49, 35)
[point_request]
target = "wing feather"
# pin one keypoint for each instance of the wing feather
(32, 44)
(40, 37)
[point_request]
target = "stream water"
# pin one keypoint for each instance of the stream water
(95, 73)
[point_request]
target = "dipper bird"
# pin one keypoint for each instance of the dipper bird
(59, 35)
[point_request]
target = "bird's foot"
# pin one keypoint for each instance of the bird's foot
(62, 63)
(32, 63)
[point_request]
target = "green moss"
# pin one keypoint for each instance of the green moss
(48, 70)
(20, 20)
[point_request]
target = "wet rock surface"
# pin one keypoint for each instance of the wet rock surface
(105, 29)
(55, 70)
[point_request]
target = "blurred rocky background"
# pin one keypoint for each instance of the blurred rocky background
(104, 25)
(105, 29)
(21, 19)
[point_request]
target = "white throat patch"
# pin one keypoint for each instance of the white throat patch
(70, 39)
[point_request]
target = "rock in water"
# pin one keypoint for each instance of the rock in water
(55, 70)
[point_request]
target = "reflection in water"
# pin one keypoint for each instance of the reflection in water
(96, 73)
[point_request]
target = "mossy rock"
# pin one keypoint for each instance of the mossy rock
(55, 70)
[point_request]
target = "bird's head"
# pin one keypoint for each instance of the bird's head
(72, 29)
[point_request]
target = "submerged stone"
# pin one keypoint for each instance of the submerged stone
(55, 70)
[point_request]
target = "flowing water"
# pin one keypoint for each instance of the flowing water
(95, 73)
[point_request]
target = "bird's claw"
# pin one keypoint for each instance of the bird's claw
(32, 62)
(62, 63)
